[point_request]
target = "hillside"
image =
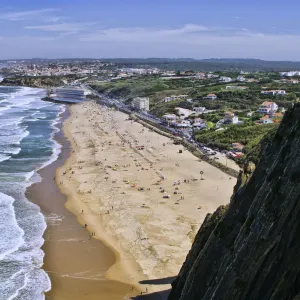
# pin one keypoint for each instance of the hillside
(38, 81)
(209, 64)
(250, 249)
(212, 64)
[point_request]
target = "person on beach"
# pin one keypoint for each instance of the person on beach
(85, 225)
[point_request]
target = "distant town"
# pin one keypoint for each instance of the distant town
(226, 112)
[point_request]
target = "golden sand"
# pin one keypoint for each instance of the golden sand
(146, 205)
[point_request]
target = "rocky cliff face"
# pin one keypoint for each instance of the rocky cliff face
(252, 251)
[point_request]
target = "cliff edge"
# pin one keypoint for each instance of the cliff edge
(251, 250)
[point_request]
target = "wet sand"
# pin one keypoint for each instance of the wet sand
(76, 264)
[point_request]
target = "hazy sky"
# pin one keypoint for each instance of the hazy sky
(266, 29)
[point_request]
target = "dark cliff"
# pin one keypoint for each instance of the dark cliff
(252, 250)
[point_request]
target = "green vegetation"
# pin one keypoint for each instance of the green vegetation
(238, 101)
(249, 136)
(254, 154)
(205, 65)
(38, 81)
(153, 87)
(157, 88)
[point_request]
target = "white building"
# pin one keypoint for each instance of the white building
(225, 79)
(170, 117)
(268, 108)
(141, 103)
(241, 78)
(231, 120)
(168, 99)
(290, 73)
(183, 112)
(273, 92)
(199, 123)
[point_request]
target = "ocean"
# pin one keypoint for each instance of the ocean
(27, 128)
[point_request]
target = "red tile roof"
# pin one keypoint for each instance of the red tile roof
(265, 117)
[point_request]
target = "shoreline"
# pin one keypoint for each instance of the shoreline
(73, 274)
(123, 270)
(150, 237)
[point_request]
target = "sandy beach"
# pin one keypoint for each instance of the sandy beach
(75, 263)
(144, 205)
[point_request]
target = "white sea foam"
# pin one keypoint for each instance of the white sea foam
(21, 258)
(4, 157)
(11, 233)
(56, 148)
(54, 219)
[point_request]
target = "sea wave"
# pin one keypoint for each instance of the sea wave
(11, 233)
(25, 147)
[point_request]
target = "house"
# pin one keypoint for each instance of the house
(211, 75)
(241, 78)
(199, 109)
(249, 114)
(290, 73)
(273, 92)
(200, 75)
(211, 97)
(169, 117)
(287, 81)
(228, 114)
(225, 79)
(199, 123)
(267, 108)
(230, 118)
(184, 112)
(168, 99)
(266, 121)
(141, 103)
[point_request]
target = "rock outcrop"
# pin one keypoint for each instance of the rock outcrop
(40, 82)
(252, 251)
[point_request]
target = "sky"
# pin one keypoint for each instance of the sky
(264, 29)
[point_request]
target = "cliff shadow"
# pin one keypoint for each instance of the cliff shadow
(162, 295)
(166, 280)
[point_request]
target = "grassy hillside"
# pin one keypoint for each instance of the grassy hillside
(249, 136)
(38, 81)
